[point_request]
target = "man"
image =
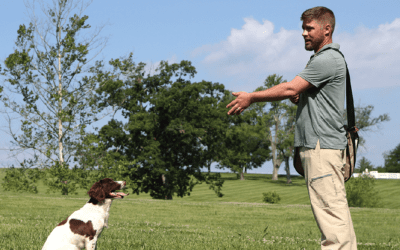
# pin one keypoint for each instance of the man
(319, 92)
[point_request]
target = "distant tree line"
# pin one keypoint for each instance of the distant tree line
(391, 164)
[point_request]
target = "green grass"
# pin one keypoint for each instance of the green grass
(201, 221)
(250, 190)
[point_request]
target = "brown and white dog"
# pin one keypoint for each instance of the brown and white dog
(83, 227)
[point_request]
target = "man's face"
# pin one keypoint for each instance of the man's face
(313, 35)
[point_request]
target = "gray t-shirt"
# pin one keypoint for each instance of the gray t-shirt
(320, 110)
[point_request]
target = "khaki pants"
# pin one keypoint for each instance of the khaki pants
(325, 183)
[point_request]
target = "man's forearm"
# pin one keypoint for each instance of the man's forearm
(276, 93)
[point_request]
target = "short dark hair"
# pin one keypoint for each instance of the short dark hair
(321, 15)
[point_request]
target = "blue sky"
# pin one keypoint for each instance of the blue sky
(240, 43)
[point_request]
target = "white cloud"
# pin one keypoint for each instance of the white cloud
(373, 55)
(253, 52)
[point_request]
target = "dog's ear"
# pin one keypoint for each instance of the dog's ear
(97, 191)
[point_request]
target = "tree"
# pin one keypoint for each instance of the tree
(392, 160)
(364, 121)
(166, 138)
(286, 138)
(244, 148)
(49, 74)
(258, 146)
(278, 124)
(363, 164)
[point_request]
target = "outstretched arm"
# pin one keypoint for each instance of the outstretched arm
(281, 91)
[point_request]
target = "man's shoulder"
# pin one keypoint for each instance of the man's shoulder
(324, 66)
(329, 52)
(323, 61)
(327, 59)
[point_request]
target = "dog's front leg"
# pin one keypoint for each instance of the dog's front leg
(91, 244)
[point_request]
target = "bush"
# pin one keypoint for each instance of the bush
(271, 197)
(21, 179)
(360, 192)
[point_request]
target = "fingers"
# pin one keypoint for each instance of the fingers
(294, 99)
(234, 110)
(233, 103)
(239, 104)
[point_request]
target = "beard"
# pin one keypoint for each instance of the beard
(314, 43)
(309, 46)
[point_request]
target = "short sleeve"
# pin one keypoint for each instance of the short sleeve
(319, 71)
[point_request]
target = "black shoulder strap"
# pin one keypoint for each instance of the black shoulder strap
(351, 120)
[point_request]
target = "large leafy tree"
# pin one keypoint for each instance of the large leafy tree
(49, 87)
(167, 138)
(246, 147)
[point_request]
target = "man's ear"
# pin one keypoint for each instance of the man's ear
(327, 29)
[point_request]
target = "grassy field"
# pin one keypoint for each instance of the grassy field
(201, 221)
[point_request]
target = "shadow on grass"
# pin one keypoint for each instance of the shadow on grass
(296, 180)
(281, 182)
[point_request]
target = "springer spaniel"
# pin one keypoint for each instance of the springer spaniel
(83, 227)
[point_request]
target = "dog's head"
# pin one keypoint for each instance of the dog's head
(105, 189)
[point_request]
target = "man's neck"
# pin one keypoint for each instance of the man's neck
(323, 44)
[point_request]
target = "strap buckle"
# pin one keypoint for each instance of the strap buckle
(353, 129)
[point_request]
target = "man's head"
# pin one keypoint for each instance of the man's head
(318, 27)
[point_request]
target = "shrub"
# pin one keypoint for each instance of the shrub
(271, 197)
(21, 179)
(360, 192)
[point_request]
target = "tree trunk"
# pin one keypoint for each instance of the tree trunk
(288, 179)
(242, 175)
(168, 195)
(60, 128)
(275, 161)
(277, 164)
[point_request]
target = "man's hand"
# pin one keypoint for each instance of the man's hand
(295, 99)
(242, 101)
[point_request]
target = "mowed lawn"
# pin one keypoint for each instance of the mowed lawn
(239, 220)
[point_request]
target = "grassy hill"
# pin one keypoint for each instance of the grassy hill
(250, 190)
